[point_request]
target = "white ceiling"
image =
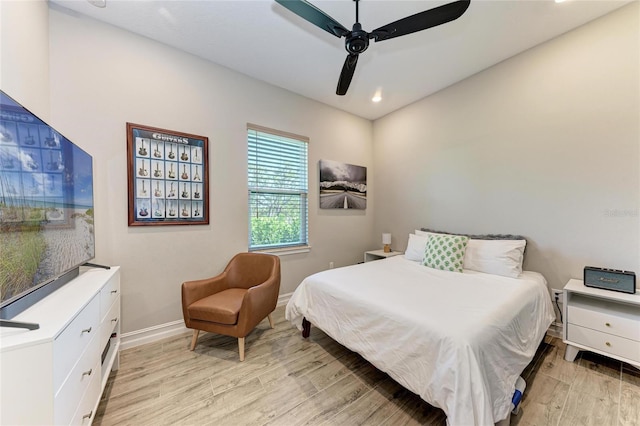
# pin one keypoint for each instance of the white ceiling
(266, 41)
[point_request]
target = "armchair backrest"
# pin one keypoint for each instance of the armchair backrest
(246, 270)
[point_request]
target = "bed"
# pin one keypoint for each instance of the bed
(459, 340)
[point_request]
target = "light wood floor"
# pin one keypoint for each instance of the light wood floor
(287, 380)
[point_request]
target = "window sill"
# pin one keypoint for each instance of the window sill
(285, 251)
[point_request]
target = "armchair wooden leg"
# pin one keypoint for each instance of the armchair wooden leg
(271, 321)
(241, 347)
(194, 339)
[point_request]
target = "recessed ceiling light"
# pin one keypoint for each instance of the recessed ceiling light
(559, 1)
(167, 15)
(378, 96)
(98, 3)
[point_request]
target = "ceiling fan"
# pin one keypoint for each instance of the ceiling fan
(357, 40)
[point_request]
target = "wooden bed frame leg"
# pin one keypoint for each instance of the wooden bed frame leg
(306, 328)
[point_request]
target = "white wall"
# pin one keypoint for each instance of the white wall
(103, 77)
(24, 49)
(545, 144)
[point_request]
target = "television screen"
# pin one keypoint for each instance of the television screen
(46, 204)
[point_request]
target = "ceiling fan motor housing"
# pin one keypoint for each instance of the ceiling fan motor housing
(357, 40)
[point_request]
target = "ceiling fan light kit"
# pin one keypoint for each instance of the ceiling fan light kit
(357, 40)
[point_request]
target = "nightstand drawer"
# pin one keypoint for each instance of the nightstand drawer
(604, 342)
(618, 319)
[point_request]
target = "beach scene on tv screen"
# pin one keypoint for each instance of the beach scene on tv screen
(46, 202)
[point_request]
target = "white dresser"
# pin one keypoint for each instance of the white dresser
(56, 374)
(602, 321)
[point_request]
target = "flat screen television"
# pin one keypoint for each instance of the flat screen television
(46, 208)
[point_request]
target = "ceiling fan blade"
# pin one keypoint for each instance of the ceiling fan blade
(314, 15)
(421, 21)
(346, 75)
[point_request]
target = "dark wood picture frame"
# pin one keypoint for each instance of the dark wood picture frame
(168, 177)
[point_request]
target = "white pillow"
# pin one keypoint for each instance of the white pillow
(499, 257)
(415, 247)
(423, 233)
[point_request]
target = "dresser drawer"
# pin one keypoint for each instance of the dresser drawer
(67, 398)
(109, 293)
(604, 342)
(85, 413)
(613, 318)
(109, 322)
(72, 341)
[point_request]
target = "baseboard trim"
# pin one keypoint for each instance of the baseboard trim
(283, 299)
(152, 334)
(173, 328)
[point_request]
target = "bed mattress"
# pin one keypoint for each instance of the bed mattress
(459, 340)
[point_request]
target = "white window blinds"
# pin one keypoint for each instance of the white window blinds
(278, 187)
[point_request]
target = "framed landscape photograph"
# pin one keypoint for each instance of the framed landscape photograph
(342, 186)
(168, 179)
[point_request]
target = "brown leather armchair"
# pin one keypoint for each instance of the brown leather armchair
(235, 301)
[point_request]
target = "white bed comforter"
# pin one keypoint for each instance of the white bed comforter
(459, 340)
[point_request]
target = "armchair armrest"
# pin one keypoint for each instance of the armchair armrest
(198, 289)
(258, 302)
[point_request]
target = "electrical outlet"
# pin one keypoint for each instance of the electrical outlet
(556, 294)
(330, 265)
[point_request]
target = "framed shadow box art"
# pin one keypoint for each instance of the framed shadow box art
(168, 177)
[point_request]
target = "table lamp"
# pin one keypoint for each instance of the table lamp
(386, 240)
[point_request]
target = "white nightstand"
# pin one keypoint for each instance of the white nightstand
(601, 321)
(379, 254)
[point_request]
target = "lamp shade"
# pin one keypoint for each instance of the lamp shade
(386, 238)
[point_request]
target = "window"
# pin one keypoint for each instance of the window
(277, 177)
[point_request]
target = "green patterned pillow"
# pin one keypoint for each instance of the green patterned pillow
(445, 252)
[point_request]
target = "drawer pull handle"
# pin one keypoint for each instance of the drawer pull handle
(87, 416)
(86, 330)
(607, 343)
(114, 291)
(607, 324)
(87, 373)
(114, 319)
